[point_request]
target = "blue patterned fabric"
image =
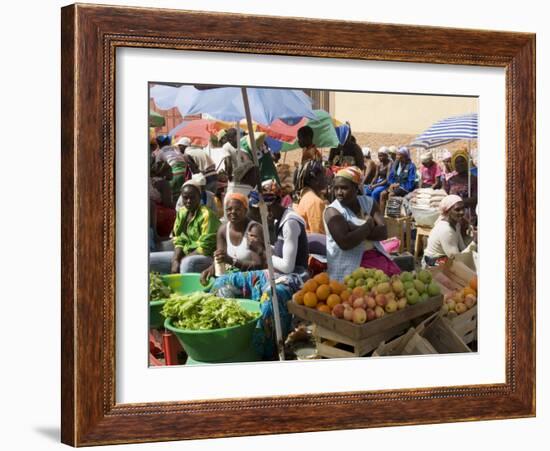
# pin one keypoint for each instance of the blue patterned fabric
(255, 285)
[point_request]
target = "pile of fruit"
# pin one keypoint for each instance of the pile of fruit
(462, 300)
(366, 294)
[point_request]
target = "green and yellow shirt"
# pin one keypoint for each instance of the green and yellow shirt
(197, 233)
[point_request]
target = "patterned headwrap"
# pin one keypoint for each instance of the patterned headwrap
(238, 197)
(383, 150)
(351, 173)
(457, 154)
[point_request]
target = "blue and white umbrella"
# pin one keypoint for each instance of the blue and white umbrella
(448, 130)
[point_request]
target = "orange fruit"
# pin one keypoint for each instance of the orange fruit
(323, 308)
(358, 292)
(468, 290)
(298, 297)
(322, 278)
(473, 283)
(344, 295)
(333, 300)
(310, 299)
(336, 287)
(310, 286)
(323, 292)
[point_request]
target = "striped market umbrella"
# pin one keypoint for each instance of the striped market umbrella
(448, 130)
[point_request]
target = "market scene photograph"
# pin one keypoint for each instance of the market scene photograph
(298, 224)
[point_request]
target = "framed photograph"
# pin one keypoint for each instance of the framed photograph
(182, 317)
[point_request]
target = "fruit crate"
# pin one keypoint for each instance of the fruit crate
(370, 328)
(433, 336)
(452, 276)
(465, 325)
(333, 345)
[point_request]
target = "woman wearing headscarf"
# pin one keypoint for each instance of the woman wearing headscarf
(355, 226)
(446, 239)
(447, 170)
(430, 172)
(233, 248)
(380, 183)
(461, 183)
(194, 232)
(207, 197)
(311, 182)
(402, 178)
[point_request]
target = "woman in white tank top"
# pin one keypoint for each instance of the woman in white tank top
(233, 247)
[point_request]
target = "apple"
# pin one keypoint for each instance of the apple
(406, 277)
(371, 302)
(412, 296)
(381, 300)
(359, 315)
(338, 311)
(401, 303)
(424, 297)
(379, 312)
(383, 288)
(370, 314)
(348, 313)
(358, 302)
(470, 300)
(450, 304)
(419, 286)
(460, 308)
(424, 276)
(390, 296)
(391, 306)
(397, 286)
(434, 289)
(408, 285)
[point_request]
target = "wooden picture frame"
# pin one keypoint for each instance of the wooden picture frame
(90, 36)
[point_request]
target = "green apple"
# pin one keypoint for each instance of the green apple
(412, 296)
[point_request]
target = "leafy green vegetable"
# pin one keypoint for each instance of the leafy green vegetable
(204, 311)
(157, 289)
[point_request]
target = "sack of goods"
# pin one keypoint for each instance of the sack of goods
(424, 205)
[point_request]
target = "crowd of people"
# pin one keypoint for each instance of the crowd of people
(204, 216)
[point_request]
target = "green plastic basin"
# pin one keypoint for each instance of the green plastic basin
(218, 345)
(179, 283)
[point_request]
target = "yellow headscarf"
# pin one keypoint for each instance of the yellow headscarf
(459, 153)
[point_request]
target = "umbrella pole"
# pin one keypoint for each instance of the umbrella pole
(263, 214)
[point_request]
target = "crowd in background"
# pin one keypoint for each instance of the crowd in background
(204, 216)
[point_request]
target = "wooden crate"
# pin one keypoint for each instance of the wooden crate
(452, 276)
(371, 328)
(465, 325)
(329, 342)
(434, 336)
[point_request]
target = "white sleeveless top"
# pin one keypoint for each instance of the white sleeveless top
(341, 262)
(240, 252)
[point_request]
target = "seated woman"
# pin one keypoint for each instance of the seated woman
(233, 247)
(430, 172)
(463, 185)
(354, 227)
(207, 197)
(380, 183)
(446, 238)
(402, 178)
(194, 236)
(290, 249)
(162, 215)
(310, 183)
